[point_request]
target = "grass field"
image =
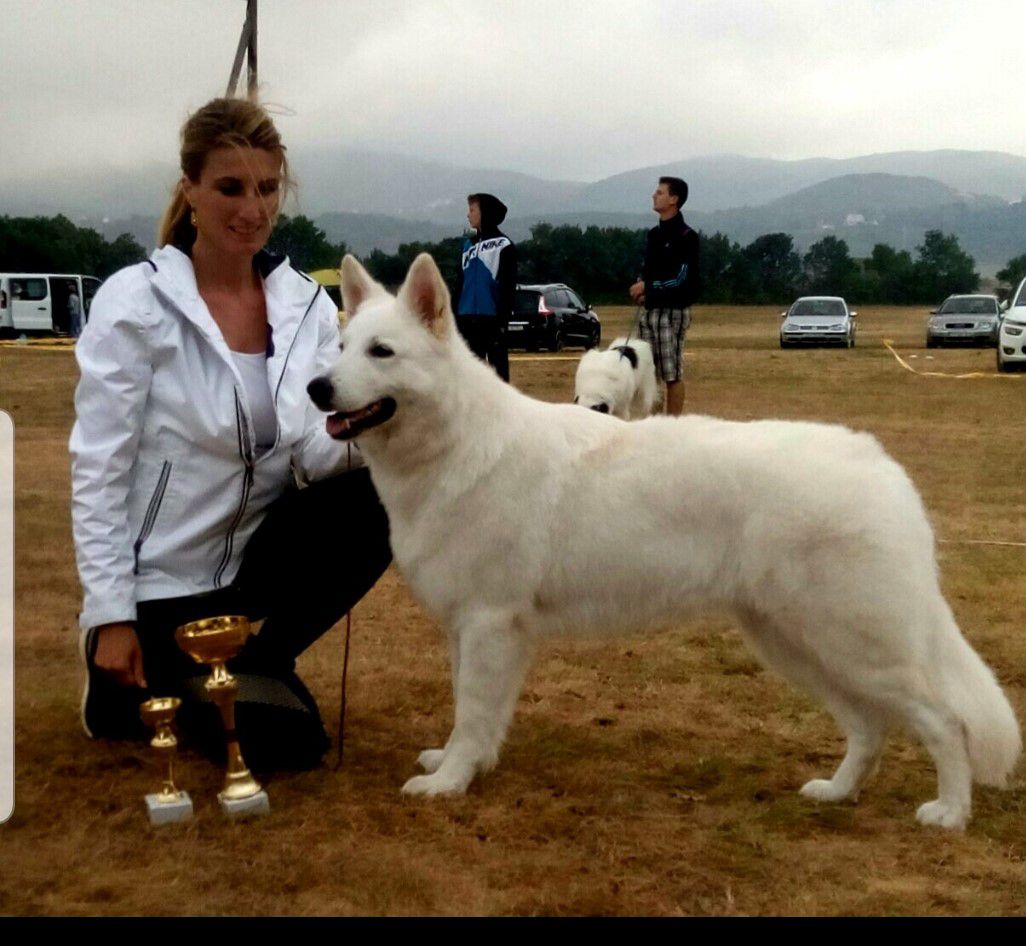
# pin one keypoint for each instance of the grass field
(645, 776)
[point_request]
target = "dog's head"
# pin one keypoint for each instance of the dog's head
(605, 382)
(392, 351)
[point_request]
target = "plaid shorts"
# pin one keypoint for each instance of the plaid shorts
(664, 330)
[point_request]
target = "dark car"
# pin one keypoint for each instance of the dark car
(551, 316)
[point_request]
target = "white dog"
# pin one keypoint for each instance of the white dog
(620, 380)
(515, 520)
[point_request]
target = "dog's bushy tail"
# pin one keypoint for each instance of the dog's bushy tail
(971, 691)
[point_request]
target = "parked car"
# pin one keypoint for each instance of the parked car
(551, 316)
(818, 320)
(969, 319)
(38, 302)
(1011, 344)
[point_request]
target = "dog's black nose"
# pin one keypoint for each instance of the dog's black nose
(601, 408)
(321, 391)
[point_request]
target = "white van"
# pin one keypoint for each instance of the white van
(38, 302)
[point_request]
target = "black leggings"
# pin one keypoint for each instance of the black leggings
(317, 552)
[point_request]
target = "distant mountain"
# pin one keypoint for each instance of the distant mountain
(720, 182)
(866, 209)
(381, 200)
(369, 183)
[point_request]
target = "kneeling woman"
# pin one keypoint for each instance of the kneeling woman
(193, 430)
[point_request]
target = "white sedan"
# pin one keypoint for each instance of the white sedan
(1011, 346)
(818, 320)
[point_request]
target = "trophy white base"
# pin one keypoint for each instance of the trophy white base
(257, 804)
(169, 812)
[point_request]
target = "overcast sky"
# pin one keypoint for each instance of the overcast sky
(574, 89)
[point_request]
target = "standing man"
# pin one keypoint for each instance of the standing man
(667, 287)
(487, 283)
(74, 311)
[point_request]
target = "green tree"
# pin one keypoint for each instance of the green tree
(943, 268)
(890, 276)
(305, 244)
(56, 245)
(829, 269)
(773, 271)
(1014, 272)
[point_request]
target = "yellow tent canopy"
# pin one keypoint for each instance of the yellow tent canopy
(326, 277)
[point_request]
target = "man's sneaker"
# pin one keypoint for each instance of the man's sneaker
(109, 711)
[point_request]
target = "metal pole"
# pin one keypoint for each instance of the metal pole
(247, 49)
(251, 59)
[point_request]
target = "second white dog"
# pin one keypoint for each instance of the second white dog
(514, 520)
(620, 380)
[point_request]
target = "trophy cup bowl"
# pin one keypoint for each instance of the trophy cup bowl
(169, 804)
(212, 642)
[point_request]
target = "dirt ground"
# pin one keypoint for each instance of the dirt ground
(650, 776)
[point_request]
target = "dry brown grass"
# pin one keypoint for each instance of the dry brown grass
(645, 776)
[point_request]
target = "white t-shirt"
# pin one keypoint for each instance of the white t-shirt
(253, 368)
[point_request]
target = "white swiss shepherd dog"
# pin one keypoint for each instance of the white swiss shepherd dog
(620, 380)
(514, 521)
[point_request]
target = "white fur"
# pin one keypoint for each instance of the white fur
(607, 377)
(515, 520)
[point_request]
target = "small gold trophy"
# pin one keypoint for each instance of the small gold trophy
(169, 804)
(213, 641)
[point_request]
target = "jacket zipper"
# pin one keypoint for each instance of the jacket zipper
(288, 354)
(151, 512)
(242, 433)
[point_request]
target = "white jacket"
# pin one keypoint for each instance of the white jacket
(165, 488)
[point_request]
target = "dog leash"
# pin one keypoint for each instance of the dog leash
(342, 703)
(635, 322)
(345, 659)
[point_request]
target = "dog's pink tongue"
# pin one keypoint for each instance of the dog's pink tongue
(336, 424)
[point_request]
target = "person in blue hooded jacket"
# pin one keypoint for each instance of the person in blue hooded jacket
(487, 283)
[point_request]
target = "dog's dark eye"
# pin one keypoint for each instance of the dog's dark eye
(381, 351)
(341, 346)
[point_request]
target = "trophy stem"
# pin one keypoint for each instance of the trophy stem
(169, 804)
(239, 782)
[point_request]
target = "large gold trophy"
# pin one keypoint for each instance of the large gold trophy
(170, 804)
(213, 641)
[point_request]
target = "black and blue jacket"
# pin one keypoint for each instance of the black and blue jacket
(670, 269)
(487, 280)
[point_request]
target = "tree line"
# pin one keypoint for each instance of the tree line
(599, 262)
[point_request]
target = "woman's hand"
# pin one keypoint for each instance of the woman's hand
(119, 654)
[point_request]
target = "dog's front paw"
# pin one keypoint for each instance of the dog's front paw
(943, 815)
(435, 785)
(430, 759)
(823, 789)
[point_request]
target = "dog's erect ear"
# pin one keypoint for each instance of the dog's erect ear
(357, 285)
(425, 294)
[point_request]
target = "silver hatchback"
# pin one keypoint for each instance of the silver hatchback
(964, 320)
(818, 320)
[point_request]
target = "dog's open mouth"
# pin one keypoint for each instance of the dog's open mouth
(346, 425)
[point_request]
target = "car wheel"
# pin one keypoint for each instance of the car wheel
(1002, 365)
(593, 341)
(558, 342)
(931, 342)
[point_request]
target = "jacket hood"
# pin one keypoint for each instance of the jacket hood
(493, 210)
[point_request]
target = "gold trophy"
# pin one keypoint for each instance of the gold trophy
(169, 804)
(212, 641)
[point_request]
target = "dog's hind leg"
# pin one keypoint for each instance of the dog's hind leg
(945, 740)
(866, 735)
(492, 661)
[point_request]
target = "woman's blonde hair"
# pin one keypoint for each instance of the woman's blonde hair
(221, 123)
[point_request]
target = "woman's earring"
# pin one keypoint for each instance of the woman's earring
(192, 217)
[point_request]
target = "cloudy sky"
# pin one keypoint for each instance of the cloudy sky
(574, 89)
